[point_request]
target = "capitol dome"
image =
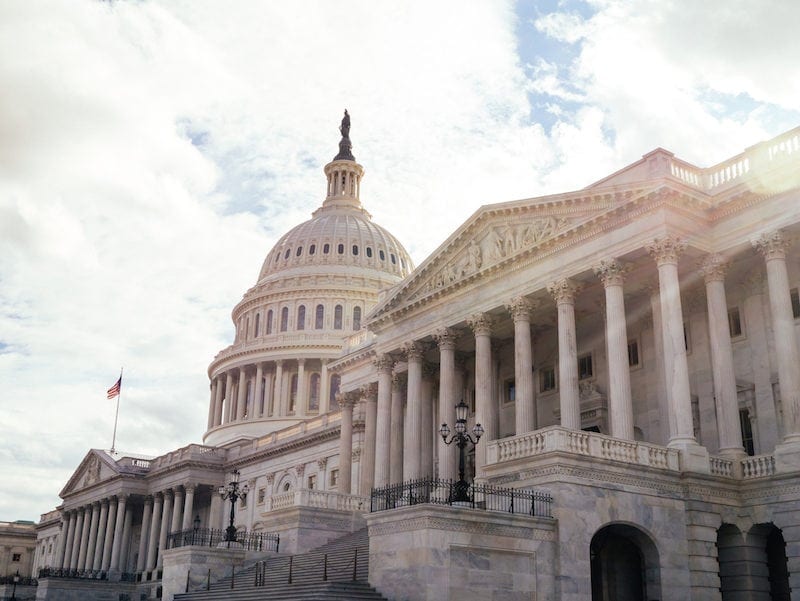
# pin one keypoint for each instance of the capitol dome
(314, 289)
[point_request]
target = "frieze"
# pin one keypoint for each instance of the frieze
(456, 525)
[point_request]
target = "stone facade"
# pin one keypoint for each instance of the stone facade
(630, 348)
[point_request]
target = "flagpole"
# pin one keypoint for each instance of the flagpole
(116, 415)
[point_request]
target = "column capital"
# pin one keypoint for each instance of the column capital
(611, 272)
(521, 308)
(666, 249)
(481, 323)
(412, 350)
(369, 392)
(446, 338)
(322, 464)
(279, 362)
(148, 500)
(167, 494)
(713, 267)
(429, 370)
(383, 363)
(301, 362)
(189, 487)
(347, 400)
(563, 291)
(771, 245)
(399, 380)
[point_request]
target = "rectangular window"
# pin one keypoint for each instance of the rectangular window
(262, 495)
(795, 295)
(747, 431)
(585, 367)
(16, 557)
(510, 392)
(734, 322)
(633, 353)
(312, 482)
(334, 477)
(547, 379)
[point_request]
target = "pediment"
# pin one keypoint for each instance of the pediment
(498, 234)
(96, 467)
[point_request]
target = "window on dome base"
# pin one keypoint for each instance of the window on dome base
(293, 394)
(313, 397)
(299, 251)
(340, 249)
(369, 252)
(394, 259)
(336, 381)
(326, 248)
(337, 317)
(355, 250)
(312, 249)
(356, 318)
(301, 317)
(287, 253)
(284, 319)
(382, 255)
(319, 317)
(257, 326)
(269, 321)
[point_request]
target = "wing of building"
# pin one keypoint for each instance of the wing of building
(630, 351)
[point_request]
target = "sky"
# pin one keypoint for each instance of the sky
(151, 152)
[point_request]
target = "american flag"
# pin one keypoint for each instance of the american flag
(115, 389)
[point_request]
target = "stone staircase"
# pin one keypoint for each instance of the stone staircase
(347, 573)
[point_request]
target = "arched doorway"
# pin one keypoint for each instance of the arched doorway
(625, 566)
(753, 567)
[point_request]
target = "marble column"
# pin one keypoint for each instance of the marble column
(177, 508)
(269, 389)
(241, 397)
(383, 420)
(85, 532)
(369, 395)
(525, 405)
(218, 396)
(155, 528)
(563, 292)
(112, 551)
(102, 533)
(147, 514)
(301, 403)
(324, 388)
(111, 532)
(126, 537)
(772, 247)
(346, 403)
(188, 507)
(76, 540)
(212, 403)
(229, 401)
(69, 538)
(430, 374)
(485, 406)
(713, 267)
(666, 250)
(277, 397)
(612, 274)
(412, 441)
(215, 512)
(446, 340)
(258, 392)
(62, 541)
(166, 513)
(396, 443)
(91, 542)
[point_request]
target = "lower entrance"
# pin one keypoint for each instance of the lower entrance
(624, 565)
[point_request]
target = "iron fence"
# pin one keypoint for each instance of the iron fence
(210, 537)
(81, 574)
(23, 580)
(445, 492)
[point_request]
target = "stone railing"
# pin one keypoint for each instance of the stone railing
(282, 339)
(758, 466)
(306, 427)
(358, 340)
(318, 499)
(558, 439)
(192, 452)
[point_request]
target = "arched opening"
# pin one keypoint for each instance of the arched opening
(319, 317)
(313, 396)
(336, 381)
(753, 566)
(301, 317)
(269, 321)
(284, 319)
(624, 565)
(337, 317)
(356, 318)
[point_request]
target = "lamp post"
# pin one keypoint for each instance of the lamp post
(14, 590)
(233, 492)
(196, 524)
(461, 438)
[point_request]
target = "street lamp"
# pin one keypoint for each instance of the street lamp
(14, 590)
(461, 438)
(233, 492)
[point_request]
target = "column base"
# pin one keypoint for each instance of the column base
(787, 457)
(694, 457)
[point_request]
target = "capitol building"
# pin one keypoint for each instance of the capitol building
(627, 355)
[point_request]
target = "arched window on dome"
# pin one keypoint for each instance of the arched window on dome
(356, 318)
(293, 394)
(301, 317)
(284, 319)
(312, 249)
(246, 328)
(257, 326)
(326, 248)
(382, 255)
(355, 250)
(287, 253)
(369, 252)
(313, 393)
(269, 322)
(299, 251)
(340, 249)
(319, 318)
(336, 381)
(337, 317)
(394, 259)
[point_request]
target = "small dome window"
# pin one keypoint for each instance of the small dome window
(269, 321)
(369, 251)
(284, 319)
(394, 259)
(355, 250)
(382, 255)
(312, 249)
(356, 318)
(299, 251)
(340, 249)
(337, 317)
(326, 248)
(319, 317)
(301, 317)
(286, 254)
